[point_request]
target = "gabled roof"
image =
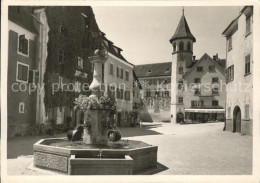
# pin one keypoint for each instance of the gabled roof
(153, 70)
(218, 63)
(247, 10)
(182, 31)
(111, 48)
(23, 18)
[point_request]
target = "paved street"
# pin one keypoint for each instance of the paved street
(183, 149)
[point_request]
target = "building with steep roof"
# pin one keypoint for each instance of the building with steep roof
(163, 83)
(239, 72)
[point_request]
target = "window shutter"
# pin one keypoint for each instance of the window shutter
(26, 44)
(20, 72)
(226, 71)
(122, 74)
(24, 73)
(30, 76)
(21, 43)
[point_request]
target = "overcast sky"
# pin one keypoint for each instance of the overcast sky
(144, 32)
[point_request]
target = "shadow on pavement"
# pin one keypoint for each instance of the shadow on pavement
(146, 129)
(151, 171)
(23, 146)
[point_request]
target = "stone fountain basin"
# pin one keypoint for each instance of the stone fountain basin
(77, 158)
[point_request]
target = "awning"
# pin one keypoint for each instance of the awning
(206, 110)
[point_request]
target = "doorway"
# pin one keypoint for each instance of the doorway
(237, 120)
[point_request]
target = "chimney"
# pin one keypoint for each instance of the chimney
(215, 57)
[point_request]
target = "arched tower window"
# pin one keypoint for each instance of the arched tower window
(189, 46)
(174, 47)
(181, 46)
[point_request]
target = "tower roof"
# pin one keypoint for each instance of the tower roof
(182, 31)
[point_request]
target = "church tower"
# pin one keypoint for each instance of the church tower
(182, 44)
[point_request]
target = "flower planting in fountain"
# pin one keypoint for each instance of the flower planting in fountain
(98, 120)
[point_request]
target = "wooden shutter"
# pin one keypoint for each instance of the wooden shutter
(21, 43)
(26, 45)
(30, 76)
(24, 73)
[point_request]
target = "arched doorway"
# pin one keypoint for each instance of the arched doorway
(180, 117)
(237, 120)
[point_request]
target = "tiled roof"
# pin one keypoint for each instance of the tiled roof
(182, 31)
(221, 63)
(109, 45)
(24, 18)
(153, 70)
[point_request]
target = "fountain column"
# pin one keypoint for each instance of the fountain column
(96, 119)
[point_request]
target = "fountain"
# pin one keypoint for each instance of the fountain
(95, 147)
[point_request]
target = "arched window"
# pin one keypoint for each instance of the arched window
(189, 46)
(174, 47)
(181, 46)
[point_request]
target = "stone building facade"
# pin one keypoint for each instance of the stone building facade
(239, 72)
(23, 70)
(156, 97)
(186, 70)
(48, 52)
(119, 83)
(205, 95)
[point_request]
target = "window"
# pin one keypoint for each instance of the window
(126, 75)
(121, 94)
(181, 46)
(61, 56)
(194, 103)
(118, 93)
(80, 63)
(157, 93)
(180, 70)
(174, 47)
(21, 107)
(22, 72)
(148, 93)
(247, 65)
(189, 46)
(197, 80)
(247, 111)
(180, 85)
(214, 103)
(133, 93)
(166, 93)
(122, 74)
(111, 72)
(230, 74)
(199, 69)
(111, 91)
(215, 91)
(117, 72)
(248, 25)
(215, 80)
(127, 95)
(23, 45)
(229, 43)
(211, 68)
(180, 100)
(197, 91)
